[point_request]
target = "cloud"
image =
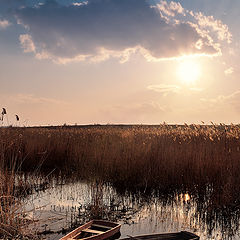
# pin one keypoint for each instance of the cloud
(222, 100)
(4, 24)
(167, 89)
(80, 3)
(26, 100)
(229, 71)
(32, 99)
(170, 9)
(40, 100)
(210, 24)
(35, 109)
(98, 29)
(206, 26)
(27, 43)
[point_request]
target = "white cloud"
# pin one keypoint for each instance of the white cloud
(80, 3)
(170, 9)
(27, 43)
(98, 30)
(4, 24)
(232, 99)
(165, 88)
(229, 71)
(209, 23)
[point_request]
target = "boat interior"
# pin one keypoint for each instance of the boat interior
(92, 230)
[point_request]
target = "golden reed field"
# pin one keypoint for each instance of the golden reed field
(163, 159)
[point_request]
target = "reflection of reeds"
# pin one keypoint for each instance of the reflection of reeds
(10, 224)
(97, 208)
(7, 202)
(14, 186)
(12, 218)
(139, 157)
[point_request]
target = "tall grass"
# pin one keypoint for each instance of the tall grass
(12, 219)
(14, 186)
(143, 158)
(201, 160)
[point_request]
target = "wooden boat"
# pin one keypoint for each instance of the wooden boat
(95, 229)
(166, 236)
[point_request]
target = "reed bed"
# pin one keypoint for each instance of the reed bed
(132, 157)
(166, 159)
(14, 187)
(12, 215)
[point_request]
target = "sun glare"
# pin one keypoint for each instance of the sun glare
(188, 71)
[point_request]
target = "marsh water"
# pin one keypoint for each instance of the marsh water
(64, 205)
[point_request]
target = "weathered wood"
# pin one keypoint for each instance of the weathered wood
(92, 231)
(109, 229)
(165, 236)
(134, 238)
(101, 226)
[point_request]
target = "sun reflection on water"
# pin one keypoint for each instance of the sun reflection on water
(62, 206)
(186, 197)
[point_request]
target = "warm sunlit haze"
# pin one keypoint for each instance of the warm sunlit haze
(188, 71)
(120, 119)
(119, 62)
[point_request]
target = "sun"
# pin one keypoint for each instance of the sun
(188, 71)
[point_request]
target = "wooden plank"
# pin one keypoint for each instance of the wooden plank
(92, 231)
(101, 226)
(165, 236)
(76, 232)
(112, 228)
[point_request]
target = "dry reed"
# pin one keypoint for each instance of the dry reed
(164, 157)
(13, 188)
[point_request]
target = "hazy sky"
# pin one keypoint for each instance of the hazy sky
(120, 61)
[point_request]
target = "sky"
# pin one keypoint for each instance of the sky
(119, 61)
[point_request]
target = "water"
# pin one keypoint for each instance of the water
(63, 206)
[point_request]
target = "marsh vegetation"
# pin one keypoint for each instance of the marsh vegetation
(154, 163)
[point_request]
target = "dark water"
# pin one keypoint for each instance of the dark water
(63, 206)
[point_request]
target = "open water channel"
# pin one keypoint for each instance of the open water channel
(65, 205)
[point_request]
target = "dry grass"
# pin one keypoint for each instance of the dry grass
(13, 188)
(201, 160)
(138, 158)
(12, 217)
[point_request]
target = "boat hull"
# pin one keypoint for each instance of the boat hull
(166, 236)
(95, 229)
